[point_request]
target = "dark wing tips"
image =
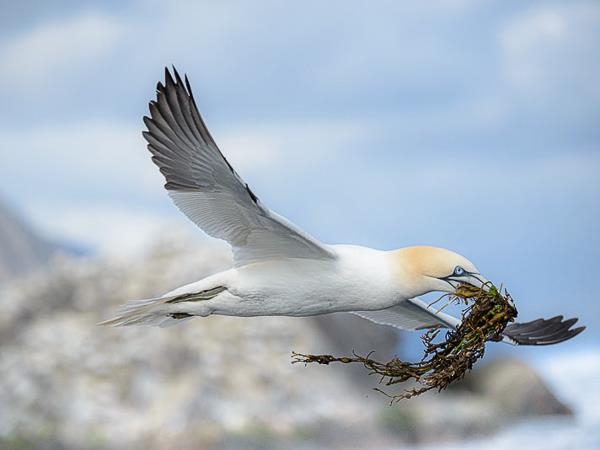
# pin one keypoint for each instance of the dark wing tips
(576, 331)
(543, 331)
(148, 122)
(171, 85)
(176, 132)
(178, 79)
(175, 83)
(171, 133)
(168, 78)
(189, 88)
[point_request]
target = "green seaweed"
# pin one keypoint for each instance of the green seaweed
(487, 313)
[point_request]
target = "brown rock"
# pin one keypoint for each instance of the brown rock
(517, 389)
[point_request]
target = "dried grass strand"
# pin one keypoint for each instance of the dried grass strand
(487, 313)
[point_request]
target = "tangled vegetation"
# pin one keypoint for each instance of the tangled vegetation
(487, 313)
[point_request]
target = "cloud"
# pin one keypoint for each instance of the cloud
(76, 158)
(384, 54)
(297, 91)
(114, 230)
(105, 153)
(552, 48)
(261, 147)
(62, 174)
(34, 58)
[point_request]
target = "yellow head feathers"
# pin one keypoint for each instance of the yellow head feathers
(432, 261)
(423, 269)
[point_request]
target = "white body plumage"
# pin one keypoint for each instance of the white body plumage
(279, 269)
(358, 279)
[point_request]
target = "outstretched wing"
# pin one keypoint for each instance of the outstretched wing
(415, 314)
(207, 189)
(543, 331)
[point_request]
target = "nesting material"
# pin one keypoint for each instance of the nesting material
(487, 313)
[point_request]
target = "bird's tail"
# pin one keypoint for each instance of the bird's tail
(153, 311)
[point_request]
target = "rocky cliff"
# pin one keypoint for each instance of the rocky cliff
(216, 382)
(22, 251)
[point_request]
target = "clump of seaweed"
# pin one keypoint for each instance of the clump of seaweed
(487, 313)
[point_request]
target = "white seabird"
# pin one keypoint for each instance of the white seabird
(279, 270)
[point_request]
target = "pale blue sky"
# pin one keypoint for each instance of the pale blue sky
(464, 124)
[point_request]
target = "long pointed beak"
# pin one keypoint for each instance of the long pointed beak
(479, 281)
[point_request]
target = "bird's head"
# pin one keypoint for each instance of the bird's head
(428, 269)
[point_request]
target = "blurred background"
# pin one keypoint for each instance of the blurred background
(462, 124)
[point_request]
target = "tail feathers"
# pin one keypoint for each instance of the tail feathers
(153, 312)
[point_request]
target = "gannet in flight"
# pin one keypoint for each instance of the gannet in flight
(278, 268)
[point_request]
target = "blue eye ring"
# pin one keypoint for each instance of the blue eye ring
(459, 271)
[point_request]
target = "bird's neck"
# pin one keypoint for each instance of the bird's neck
(409, 270)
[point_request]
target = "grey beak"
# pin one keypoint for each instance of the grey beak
(480, 281)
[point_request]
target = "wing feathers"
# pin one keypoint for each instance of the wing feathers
(207, 189)
(543, 331)
(413, 314)
(200, 126)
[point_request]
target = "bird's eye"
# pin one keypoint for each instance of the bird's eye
(459, 271)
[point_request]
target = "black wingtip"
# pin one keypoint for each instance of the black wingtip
(543, 331)
(578, 330)
(177, 77)
(188, 86)
(570, 322)
(173, 78)
(168, 77)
